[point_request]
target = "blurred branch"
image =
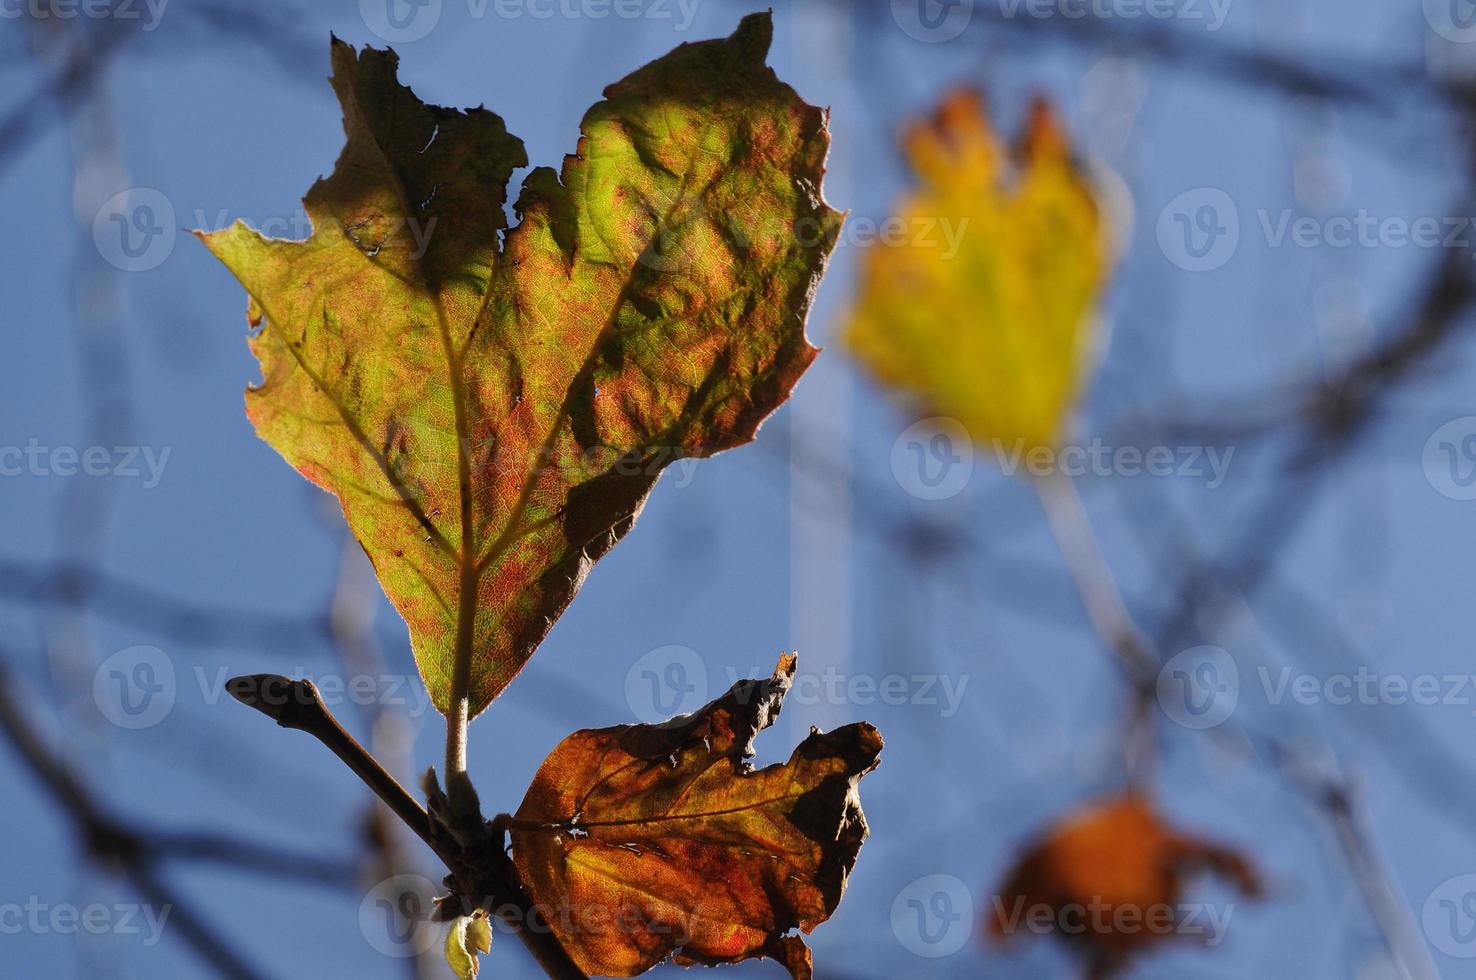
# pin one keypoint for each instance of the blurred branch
(1374, 84)
(1140, 662)
(110, 842)
(71, 585)
(1375, 881)
(1327, 412)
(351, 613)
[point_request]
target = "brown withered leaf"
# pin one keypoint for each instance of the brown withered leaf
(1109, 878)
(640, 842)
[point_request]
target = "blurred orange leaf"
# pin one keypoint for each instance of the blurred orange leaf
(979, 305)
(1110, 879)
(640, 842)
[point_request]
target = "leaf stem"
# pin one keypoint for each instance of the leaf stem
(458, 711)
(456, 721)
(1072, 530)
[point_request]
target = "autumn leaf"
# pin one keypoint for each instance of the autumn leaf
(979, 305)
(640, 842)
(492, 405)
(1110, 879)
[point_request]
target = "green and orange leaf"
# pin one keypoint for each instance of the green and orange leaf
(642, 842)
(492, 405)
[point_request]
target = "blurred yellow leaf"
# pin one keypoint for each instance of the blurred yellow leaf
(977, 299)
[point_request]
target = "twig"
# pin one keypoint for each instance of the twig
(476, 856)
(297, 704)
